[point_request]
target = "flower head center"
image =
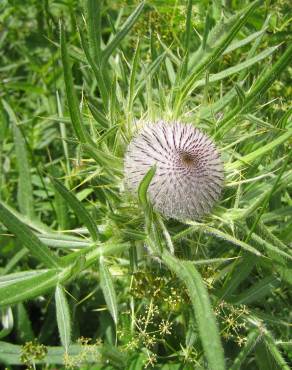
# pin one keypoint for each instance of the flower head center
(188, 160)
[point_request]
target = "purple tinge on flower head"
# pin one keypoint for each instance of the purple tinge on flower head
(189, 171)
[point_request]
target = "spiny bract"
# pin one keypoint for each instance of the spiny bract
(189, 171)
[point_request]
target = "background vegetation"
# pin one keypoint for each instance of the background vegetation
(92, 278)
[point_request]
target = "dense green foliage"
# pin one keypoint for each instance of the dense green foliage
(91, 276)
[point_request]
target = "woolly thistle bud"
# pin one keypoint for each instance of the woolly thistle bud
(189, 172)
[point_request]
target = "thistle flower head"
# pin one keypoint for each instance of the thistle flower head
(189, 172)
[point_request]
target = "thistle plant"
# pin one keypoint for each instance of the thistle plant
(184, 106)
(189, 171)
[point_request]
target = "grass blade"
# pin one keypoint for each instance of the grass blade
(6, 321)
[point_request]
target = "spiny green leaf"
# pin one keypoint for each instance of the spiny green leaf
(208, 329)
(77, 207)
(39, 250)
(144, 185)
(25, 190)
(119, 36)
(250, 157)
(63, 317)
(108, 289)
(72, 100)
(251, 340)
(25, 285)
(217, 233)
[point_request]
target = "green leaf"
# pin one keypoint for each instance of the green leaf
(24, 189)
(274, 351)
(144, 185)
(108, 290)
(10, 354)
(7, 322)
(237, 68)
(93, 8)
(208, 329)
(250, 157)
(207, 56)
(37, 249)
(267, 355)
(257, 291)
(63, 317)
(238, 44)
(72, 100)
(98, 116)
(265, 80)
(99, 76)
(251, 340)
(217, 233)
(119, 36)
(150, 70)
(133, 73)
(24, 285)
(239, 271)
(23, 326)
(77, 207)
(104, 159)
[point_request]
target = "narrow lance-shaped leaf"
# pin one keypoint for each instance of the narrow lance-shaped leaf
(251, 341)
(217, 233)
(100, 77)
(107, 52)
(108, 289)
(250, 157)
(15, 288)
(6, 321)
(94, 27)
(144, 185)
(63, 317)
(266, 200)
(71, 94)
(207, 326)
(265, 80)
(77, 207)
(257, 291)
(210, 55)
(238, 44)
(133, 73)
(24, 187)
(274, 351)
(11, 354)
(39, 250)
(237, 68)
